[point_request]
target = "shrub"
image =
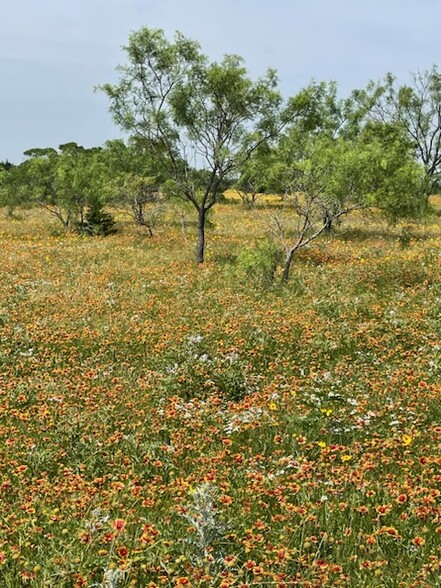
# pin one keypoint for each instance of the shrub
(97, 222)
(261, 262)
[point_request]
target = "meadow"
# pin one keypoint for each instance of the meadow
(163, 424)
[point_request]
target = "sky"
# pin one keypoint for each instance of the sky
(54, 52)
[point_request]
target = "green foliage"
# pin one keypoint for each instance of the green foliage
(97, 222)
(196, 371)
(14, 193)
(258, 175)
(6, 165)
(415, 111)
(332, 162)
(398, 183)
(66, 182)
(194, 114)
(260, 262)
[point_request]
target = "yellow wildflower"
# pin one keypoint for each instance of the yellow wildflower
(406, 440)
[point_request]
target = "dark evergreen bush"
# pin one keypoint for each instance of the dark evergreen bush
(97, 222)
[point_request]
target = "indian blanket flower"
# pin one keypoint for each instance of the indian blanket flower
(119, 525)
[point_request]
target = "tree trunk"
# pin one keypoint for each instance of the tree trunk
(287, 266)
(200, 246)
(65, 221)
(327, 222)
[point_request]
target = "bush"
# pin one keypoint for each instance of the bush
(97, 222)
(261, 262)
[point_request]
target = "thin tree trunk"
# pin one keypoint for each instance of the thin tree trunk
(287, 266)
(200, 246)
(327, 222)
(66, 221)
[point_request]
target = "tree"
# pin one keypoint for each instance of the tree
(193, 114)
(14, 192)
(416, 110)
(257, 176)
(315, 196)
(133, 182)
(41, 177)
(337, 176)
(96, 221)
(66, 182)
(333, 159)
(6, 165)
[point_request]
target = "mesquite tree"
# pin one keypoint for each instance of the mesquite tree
(416, 110)
(195, 114)
(337, 176)
(66, 183)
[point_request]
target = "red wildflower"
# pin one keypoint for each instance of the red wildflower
(119, 524)
(122, 551)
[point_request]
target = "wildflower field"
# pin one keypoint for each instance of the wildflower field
(163, 424)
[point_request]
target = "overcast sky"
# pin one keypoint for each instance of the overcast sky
(53, 52)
